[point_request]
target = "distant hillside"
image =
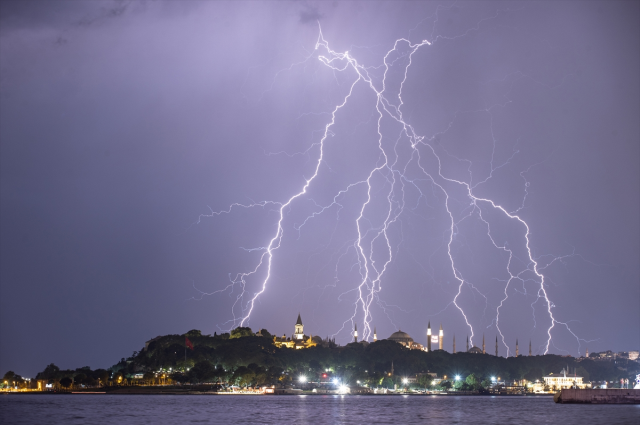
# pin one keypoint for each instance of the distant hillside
(228, 358)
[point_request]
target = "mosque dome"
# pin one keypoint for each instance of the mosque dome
(475, 350)
(401, 337)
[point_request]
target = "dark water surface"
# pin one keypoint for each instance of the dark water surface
(230, 409)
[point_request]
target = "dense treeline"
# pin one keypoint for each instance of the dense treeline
(243, 358)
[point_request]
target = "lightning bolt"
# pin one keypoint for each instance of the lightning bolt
(389, 180)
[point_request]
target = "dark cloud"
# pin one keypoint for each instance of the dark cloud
(310, 14)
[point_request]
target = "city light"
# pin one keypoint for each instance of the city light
(493, 379)
(303, 378)
(335, 381)
(457, 377)
(405, 381)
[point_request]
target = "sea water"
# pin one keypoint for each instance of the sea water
(301, 409)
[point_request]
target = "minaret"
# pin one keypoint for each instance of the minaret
(483, 352)
(299, 334)
(454, 343)
(587, 355)
(429, 336)
(516, 347)
(467, 343)
(391, 367)
(355, 332)
(529, 348)
(375, 335)
(440, 338)
(496, 345)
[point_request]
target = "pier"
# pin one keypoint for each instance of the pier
(598, 396)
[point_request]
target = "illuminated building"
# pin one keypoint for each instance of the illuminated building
(298, 333)
(404, 339)
(434, 339)
(557, 381)
(298, 340)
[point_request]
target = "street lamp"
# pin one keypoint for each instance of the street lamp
(457, 377)
(302, 379)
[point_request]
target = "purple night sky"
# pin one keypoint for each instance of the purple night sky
(154, 153)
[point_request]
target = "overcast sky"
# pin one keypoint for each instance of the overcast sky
(125, 126)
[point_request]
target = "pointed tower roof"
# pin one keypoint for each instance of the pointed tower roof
(299, 322)
(429, 325)
(355, 326)
(440, 326)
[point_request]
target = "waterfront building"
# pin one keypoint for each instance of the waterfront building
(557, 381)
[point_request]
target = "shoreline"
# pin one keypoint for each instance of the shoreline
(220, 393)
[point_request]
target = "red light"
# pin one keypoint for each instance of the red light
(324, 375)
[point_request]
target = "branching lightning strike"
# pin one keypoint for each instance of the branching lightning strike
(388, 104)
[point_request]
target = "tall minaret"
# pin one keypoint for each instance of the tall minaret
(587, 355)
(496, 345)
(375, 335)
(529, 348)
(454, 343)
(516, 347)
(483, 352)
(355, 332)
(440, 338)
(391, 367)
(429, 336)
(299, 334)
(467, 343)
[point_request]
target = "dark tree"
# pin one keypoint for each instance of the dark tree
(66, 382)
(239, 332)
(202, 372)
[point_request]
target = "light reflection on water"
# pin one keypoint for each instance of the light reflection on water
(317, 409)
